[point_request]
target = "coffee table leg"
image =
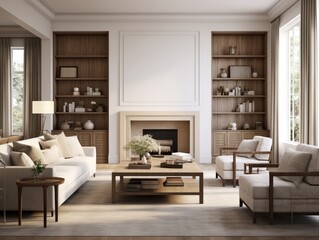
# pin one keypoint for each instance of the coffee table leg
(45, 206)
(56, 195)
(201, 189)
(20, 204)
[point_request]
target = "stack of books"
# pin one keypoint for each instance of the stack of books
(174, 181)
(138, 184)
(182, 156)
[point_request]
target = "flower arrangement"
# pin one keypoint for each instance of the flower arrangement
(38, 169)
(141, 144)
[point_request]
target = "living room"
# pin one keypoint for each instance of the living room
(160, 67)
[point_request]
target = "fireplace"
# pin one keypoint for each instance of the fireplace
(132, 124)
(167, 139)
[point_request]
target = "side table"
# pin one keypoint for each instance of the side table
(44, 183)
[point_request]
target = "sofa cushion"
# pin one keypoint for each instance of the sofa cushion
(63, 143)
(51, 155)
(33, 152)
(49, 143)
(75, 146)
(294, 161)
(313, 165)
(225, 162)
(21, 159)
(264, 144)
(247, 145)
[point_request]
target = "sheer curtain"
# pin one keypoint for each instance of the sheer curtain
(308, 121)
(5, 73)
(274, 89)
(32, 83)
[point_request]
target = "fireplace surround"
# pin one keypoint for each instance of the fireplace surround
(129, 118)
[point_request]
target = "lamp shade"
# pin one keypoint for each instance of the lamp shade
(42, 107)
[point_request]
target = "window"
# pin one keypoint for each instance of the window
(289, 85)
(17, 89)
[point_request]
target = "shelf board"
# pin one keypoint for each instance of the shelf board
(239, 79)
(81, 96)
(82, 56)
(239, 113)
(81, 79)
(241, 96)
(81, 113)
(238, 56)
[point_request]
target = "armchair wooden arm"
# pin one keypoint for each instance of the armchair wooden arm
(226, 148)
(271, 187)
(251, 166)
(240, 153)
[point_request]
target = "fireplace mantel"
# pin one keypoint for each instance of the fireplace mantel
(127, 117)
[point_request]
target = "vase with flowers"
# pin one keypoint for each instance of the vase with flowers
(37, 170)
(141, 145)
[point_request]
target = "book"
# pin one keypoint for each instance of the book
(173, 181)
(182, 156)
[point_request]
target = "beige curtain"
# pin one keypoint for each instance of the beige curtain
(5, 73)
(274, 89)
(308, 121)
(32, 83)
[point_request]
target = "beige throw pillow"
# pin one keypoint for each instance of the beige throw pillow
(63, 143)
(33, 152)
(50, 143)
(51, 155)
(294, 161)
(75, 146)
(247, 145)
(21, 159)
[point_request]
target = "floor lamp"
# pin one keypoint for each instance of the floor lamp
(42, 107)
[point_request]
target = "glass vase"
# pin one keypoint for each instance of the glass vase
(37, 176)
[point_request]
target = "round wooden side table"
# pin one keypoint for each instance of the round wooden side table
(44, 183)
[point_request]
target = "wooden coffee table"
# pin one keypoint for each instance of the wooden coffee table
(191, 173)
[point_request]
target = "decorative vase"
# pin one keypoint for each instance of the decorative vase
(255, 74)
(88, 125)
(223, 73)
(37, 176)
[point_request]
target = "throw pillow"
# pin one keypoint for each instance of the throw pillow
(51, 155)
(49, 144)
(21, 159)
(247, 145)
(75, 146)
(264, 145)
(63, 143)
(294, 161)
(33, 152)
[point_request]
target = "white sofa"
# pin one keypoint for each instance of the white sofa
(293, 188)
(75, 170)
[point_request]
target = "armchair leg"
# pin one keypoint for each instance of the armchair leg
(240, 202)
(254, 218)
(216, 175)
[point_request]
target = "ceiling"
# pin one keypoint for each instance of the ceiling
(55, 8)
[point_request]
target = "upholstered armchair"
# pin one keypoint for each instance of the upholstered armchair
(256, 151)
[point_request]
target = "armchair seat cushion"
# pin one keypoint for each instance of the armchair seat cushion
(225, 162)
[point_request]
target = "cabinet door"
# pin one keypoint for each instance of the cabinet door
(262, 133)
(86, 138)
(248, 135)
(234, 139)
(101, 144)
(219, 140)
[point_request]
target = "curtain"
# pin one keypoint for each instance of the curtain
(308, 121)
(274, 89)
(32, 86)
(5, 73)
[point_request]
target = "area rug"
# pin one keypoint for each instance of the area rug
(89, 212)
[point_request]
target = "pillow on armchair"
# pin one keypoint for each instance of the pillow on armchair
(247, 145)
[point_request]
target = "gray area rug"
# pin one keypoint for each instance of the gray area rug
(89, 212)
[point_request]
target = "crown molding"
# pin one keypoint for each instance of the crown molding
(42, 8)
(280, 7)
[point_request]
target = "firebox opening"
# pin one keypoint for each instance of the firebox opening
(167, 138)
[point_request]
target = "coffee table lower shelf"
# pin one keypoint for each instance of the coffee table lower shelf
(191, 187)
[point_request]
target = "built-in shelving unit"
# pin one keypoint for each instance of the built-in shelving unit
(251, 52)
(88, 53)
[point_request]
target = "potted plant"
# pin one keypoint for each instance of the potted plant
(37, 170)
(141, 145)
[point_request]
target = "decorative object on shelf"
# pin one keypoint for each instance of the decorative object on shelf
(248, 106)
(232, 50)
(96, 92)
(37, 170)
(223, 73)
(226, 91)
(259, 126)
(65, 126)
(93, 106)
(69, 72)
(76, 91)
(100, 107)
(246, 126)
(78, 126)
(254, 74)
(236, 71)
(141, 145)
(72, 107)
(65, 107)
(232, 126)
(220, 90)
(88, 125)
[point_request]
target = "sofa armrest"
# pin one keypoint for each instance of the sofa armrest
(89, 151)
(271, 187)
